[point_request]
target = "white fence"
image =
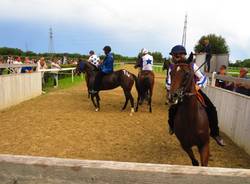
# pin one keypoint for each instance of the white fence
(40, 170)
(15, 88)
(234, 114)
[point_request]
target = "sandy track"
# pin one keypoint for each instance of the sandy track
(63, 124)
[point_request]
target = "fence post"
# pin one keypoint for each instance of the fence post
(213, 79)
(72, 76)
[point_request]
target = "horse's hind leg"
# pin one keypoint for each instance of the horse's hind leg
(137, 104)
(150, 100)
(204, 154)
(126, 101)
(131, 103)
(191, 156)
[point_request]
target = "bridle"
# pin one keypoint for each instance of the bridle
(181, 92)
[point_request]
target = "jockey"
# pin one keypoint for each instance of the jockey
(147, 61)
(93, 58)
(106, 67)
(178, 54)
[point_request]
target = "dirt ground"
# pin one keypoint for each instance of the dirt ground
(63, 123)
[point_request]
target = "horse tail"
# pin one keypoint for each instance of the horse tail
(136, 82)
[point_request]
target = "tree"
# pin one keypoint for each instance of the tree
(158, 58)
(218, 44)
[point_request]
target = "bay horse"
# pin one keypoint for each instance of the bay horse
(191, 124)
(144, 86)
(122, 78)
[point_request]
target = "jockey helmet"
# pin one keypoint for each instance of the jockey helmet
(144, 51)
(91, 52)
(107, 49)
(178, 49)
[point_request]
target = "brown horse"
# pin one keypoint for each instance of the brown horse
(191, 124)
(145, 88)
(121, 78)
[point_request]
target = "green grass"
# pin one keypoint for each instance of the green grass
(63, 83)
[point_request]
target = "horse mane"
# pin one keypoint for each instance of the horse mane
(90, 65)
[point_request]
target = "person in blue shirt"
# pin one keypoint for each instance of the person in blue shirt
(106, 67)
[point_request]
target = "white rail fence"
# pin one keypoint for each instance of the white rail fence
(15, 88)
(233, 110)
(40, 170)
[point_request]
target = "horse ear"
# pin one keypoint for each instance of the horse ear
(190, 58)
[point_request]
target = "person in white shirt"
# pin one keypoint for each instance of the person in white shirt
(147, 61)
(94, 59)
(17, 61)
(41, 64)
(55, 65)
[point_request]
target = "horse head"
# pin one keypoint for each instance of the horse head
(80, 67)
(182, 82)
(84, 66)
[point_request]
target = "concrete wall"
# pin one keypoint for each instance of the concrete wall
(234, 115)
(39, 170)
(215, 63)
(16, 88)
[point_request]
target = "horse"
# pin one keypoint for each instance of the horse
(191, 124)
(144, 86)
(166, 65)
(122, 78)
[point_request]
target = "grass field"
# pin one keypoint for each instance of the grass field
(63, 82)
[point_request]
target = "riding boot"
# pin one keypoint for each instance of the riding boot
(171, 114)
(213, 120)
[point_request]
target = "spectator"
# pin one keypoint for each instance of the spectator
(1, 69)
(221, 83)
(41, 64)
(207, 50)
(17, 61)
(55, 65)
(241, 88)
(27, 69)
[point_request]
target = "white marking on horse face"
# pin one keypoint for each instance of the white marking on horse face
(178, 68)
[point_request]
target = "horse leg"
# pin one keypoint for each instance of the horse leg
(126, 101)
(93, 101)
(131, 103)
(190, 153)
(137, 104)
(98, 101)
(150, 100)
(204, 154)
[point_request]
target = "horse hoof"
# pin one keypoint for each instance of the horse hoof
(97, 109)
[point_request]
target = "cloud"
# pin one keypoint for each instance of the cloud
(155, 24)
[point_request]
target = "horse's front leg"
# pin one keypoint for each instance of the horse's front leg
(98, 102)
(191, 156)
(93, 101)
(204, 154)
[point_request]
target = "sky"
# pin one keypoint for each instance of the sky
(126, 25)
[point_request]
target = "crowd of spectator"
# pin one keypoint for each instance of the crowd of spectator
(234, 86)
(38, 64)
